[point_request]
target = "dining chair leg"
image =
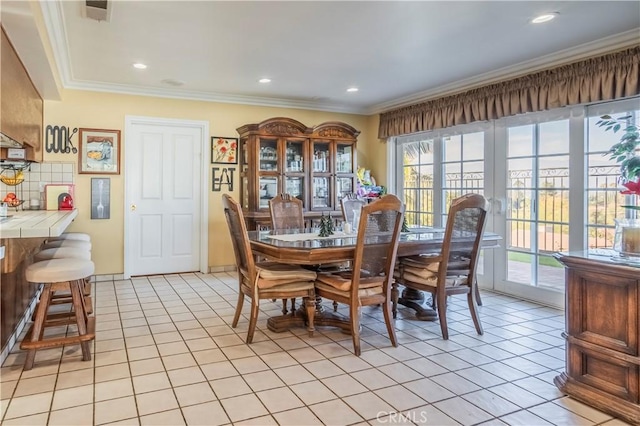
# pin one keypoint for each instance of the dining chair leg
(441, 296)
(236, 317)
(354, 313)
(253, 319)
(477, 292)
(310, 306)
(386, 309)
(395, 294)
(335, 306)
(474, 312)
(284, 306)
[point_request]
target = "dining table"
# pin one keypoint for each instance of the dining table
(306, 247)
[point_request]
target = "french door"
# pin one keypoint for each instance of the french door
(550, 185)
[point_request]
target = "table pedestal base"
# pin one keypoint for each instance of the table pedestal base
(323, 318)
(414, 299)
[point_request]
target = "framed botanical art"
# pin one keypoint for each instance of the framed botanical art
(99, 151)
(224, 150)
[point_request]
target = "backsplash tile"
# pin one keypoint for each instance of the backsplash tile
(39, 175)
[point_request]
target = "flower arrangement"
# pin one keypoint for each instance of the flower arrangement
(626, 153)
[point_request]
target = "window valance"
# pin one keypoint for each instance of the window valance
(611, 76)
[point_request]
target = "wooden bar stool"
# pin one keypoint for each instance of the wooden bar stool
(72, 236)
(68, 253)
(84, 245)
(59, 274)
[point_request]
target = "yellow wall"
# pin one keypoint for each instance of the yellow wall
(107, 111)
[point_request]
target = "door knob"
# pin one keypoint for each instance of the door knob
(133, 207)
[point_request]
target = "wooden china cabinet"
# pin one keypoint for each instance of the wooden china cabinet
(281, 155)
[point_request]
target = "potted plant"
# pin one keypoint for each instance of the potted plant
(626, 153)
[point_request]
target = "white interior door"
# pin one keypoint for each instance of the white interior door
(165, 208)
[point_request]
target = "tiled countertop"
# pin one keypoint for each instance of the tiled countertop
(38, 223)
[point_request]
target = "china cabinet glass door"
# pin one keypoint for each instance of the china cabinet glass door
(321, 172)
(345, 176)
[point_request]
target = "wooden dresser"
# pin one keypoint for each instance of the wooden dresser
(603, 333)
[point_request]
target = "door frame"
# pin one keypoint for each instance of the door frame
(203, 126)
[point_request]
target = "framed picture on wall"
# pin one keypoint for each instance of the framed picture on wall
(224, 150)
(99, 151)
(100, 198)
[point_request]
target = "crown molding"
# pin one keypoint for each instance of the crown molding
(599, 47)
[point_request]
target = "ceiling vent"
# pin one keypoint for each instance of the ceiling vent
(99, 10)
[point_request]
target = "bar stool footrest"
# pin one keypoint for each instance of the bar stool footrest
(60, 341)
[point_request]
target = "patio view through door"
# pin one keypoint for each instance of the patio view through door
(550, 185)
(165, 201)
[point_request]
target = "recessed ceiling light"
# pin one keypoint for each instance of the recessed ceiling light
(544, 18)
(264, 80)
(352, 89)
(139, 65)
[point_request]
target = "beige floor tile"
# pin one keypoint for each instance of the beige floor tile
(210, 413)
(154, 402)
(203, 344)
(170, 337)
(113, 389)
(41, 369)
(174, 362)
(491, 403)
(555, 413)
(258, 421)
(524, 417)
(297, 417)
(136, 331)
(263, 380)
(582, 410)
(71, 397)
(279, 399)
(429, 390)
(151, 382)
(138, 341)
(74, 378)
(76, 363)
(249, 365)
(243, 407)
(143, 352)
(109, 345)
(186, 376)
(313, 392)
(229, 387)
(112, 357)
(239, 351)
(455, 383)
(10, 374)
(81, 415)
(169, 418)
(323, 368)
(28, 405)
(195, 333)
(194, 394)
(172, 348)
(400, 398)
(7, 388)
(462, 411)
(373, 379)
(228, 340)
(344, 385)
(335, 412)
(114, 410)
(209, 356)
(163, 328)
(34, 420)
(219, 370)
(517, 395)
(112, 372)
(146, 366)
(368, 405)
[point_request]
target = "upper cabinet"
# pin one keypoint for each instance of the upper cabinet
(281, 155)
(21, 104)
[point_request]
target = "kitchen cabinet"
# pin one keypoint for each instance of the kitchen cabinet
(602, 334)
(21, 104)
(281, 155)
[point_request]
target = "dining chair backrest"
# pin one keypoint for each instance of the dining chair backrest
(350, 203)
(377, 241)
(463, 234)
(239, 238)
(286, 212)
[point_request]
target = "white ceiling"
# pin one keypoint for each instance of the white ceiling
(395, 52)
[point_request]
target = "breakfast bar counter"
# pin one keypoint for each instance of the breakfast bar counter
(21, 235)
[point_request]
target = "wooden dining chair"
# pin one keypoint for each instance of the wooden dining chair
(266, 280)
(350, 203)
(453, 270)
(369, 282)
(286, 212)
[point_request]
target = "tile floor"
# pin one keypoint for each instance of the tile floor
(165, 354)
